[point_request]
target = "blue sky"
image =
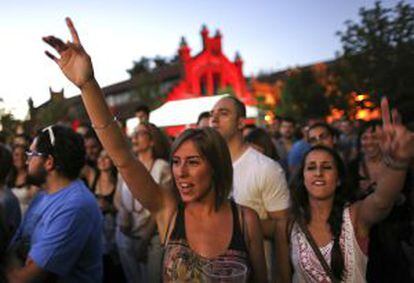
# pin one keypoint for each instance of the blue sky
(270, 35)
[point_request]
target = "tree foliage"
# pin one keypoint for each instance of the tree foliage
(303, 96)
(8, 124)
(147, 85)
(148, 89)
(378, 55)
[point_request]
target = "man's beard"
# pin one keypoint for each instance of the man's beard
(37, 178)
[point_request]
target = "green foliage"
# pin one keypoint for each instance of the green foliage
(378, 55)
(302, 96)
(141, 66)
(148, 87)
(8, 124)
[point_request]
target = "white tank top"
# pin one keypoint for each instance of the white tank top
(307, 267)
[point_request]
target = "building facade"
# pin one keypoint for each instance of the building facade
(156, 81)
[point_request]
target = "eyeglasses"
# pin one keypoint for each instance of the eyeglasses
(33, 153)
(51, 135)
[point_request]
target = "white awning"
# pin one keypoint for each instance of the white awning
(185, 112)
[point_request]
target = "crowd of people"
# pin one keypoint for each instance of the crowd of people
(315, 202)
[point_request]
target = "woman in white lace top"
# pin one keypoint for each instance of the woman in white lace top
(340, 231)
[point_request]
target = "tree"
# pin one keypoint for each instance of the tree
(378, 55)
(141, 66)
(147, 88)
(303, 96)
(7, 124)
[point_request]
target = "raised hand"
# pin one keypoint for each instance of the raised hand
(397, 145)
(396, 141)
(74, 62)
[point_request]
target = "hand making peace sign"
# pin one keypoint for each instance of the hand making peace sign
(397, 141)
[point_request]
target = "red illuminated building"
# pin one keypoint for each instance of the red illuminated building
(210, 71)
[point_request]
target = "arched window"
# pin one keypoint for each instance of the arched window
(203, 85)
(216, 82)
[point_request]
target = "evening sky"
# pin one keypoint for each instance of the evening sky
(270, 35)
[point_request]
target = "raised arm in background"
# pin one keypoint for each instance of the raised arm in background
(397, 144)
(76, 65)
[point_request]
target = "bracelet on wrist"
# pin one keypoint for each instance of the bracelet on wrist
(395, 164)
(112, 121)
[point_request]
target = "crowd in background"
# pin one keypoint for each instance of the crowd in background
(310, 202)
(131, 244)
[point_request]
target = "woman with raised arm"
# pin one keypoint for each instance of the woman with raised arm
(202, 226)
(138, 243)
(329, 237)
(387, 260)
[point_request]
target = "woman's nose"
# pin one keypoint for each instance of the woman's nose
(319, 171)
(182, 170)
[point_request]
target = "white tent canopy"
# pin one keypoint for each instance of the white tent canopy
(185, 112)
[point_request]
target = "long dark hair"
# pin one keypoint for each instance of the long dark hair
(213, 148)
(161, 148)
(353, 168)
(301, 211)
(113, 173)
(366, 127)
(11, 178)
(262, 139)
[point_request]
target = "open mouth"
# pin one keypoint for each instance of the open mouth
(185, 188)
(319, 183)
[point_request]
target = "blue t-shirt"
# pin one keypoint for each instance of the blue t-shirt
(297, 152)
(63, 232)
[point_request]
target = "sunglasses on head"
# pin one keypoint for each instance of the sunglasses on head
(51, 134)
(34, 153)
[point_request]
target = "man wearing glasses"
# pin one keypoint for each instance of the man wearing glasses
(60, 236)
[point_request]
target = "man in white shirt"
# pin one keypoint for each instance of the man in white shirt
(258, 181)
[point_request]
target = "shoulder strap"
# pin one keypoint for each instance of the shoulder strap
(164, 240)
(238, 212)
(243, 228)
(95, 182)
(237, 219)
(178, 215)
(317, 252)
